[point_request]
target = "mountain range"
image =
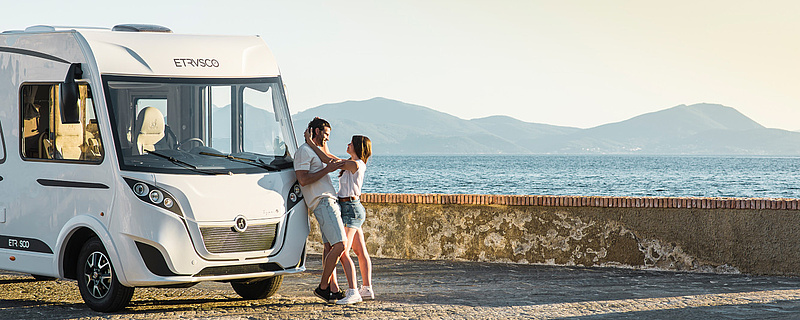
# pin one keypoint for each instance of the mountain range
(398, 128)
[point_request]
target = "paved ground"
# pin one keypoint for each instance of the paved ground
(439, 289)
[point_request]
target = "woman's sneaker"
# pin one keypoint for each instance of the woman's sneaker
(366, 293)
(350, 297)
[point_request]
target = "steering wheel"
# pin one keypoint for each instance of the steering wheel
(180, 144)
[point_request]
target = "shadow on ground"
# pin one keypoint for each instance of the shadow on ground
(437, 289)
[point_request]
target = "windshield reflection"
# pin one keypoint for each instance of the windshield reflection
(194, 126)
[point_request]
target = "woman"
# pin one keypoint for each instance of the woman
(351, 178)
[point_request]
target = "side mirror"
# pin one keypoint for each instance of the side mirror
(70, 113)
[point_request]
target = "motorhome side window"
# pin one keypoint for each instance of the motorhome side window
(48, 134)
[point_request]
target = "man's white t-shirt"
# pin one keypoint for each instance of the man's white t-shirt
(306, 159)
(350, 183)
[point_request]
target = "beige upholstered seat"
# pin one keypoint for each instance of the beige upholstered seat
(69, 140)
(149, 129)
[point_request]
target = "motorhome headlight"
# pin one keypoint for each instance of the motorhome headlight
(156, 196)
(153, 195)
(293, 197)
(140, 189)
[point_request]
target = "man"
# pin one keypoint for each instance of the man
(317, 187)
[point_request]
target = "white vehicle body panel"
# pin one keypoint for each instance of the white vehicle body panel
(44, 204)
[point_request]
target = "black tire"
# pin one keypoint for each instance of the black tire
(259, 289)
(43, 278)
(97, 281)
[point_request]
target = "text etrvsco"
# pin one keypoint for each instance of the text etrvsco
(196, 63)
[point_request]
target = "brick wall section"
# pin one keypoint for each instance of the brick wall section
(585, 201)
(755, 236)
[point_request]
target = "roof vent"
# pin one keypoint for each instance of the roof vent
(40, 28)
(141, 28)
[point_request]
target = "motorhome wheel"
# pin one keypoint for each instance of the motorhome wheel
(259, 289)
(97, 282)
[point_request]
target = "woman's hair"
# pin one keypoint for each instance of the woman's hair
(362, 146)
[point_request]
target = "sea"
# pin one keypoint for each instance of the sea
(586, 175)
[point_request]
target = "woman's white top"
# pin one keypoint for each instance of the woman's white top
(350, 182)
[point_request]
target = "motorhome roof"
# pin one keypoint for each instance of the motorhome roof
(132, 27)
(152, 50)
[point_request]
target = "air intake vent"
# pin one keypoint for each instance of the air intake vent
(141, 28)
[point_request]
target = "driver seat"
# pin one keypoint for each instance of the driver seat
(149, 129)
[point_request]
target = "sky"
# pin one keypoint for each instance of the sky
(569, 63)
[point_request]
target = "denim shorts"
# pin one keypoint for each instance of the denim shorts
(353, 213)
(329, 219)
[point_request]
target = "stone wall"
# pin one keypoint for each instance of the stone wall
(755, 236)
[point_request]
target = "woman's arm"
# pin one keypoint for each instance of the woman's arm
(305, 178)
(323, 155)
(350, 165)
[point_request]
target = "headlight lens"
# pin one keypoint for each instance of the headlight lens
(140, 189)
(156, 196)
(293, 197)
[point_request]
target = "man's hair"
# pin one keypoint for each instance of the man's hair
(318, 123)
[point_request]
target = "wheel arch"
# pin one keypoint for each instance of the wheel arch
(72, 238)
(69, 261)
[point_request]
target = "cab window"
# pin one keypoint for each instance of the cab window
(48, 133)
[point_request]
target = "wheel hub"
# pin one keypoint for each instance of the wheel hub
(98, 274)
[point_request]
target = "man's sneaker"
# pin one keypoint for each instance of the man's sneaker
(366, 293)
(350, 297)
(323, 294)
(338, 295)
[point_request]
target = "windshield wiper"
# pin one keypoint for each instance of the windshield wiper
(258, 163)
(181, 162)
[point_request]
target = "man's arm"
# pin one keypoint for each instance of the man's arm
(326, 156)
(304, 177)
(349, 165)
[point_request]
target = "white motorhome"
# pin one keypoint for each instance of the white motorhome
(134, 157)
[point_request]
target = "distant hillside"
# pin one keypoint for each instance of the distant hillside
(524, 134)
(676, 122)
(677, 130)
(400, 128)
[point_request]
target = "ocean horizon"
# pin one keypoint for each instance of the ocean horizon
(586, 175)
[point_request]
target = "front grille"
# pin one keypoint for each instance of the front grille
(226, 240)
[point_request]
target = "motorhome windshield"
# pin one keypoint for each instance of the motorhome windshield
(199, 126)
